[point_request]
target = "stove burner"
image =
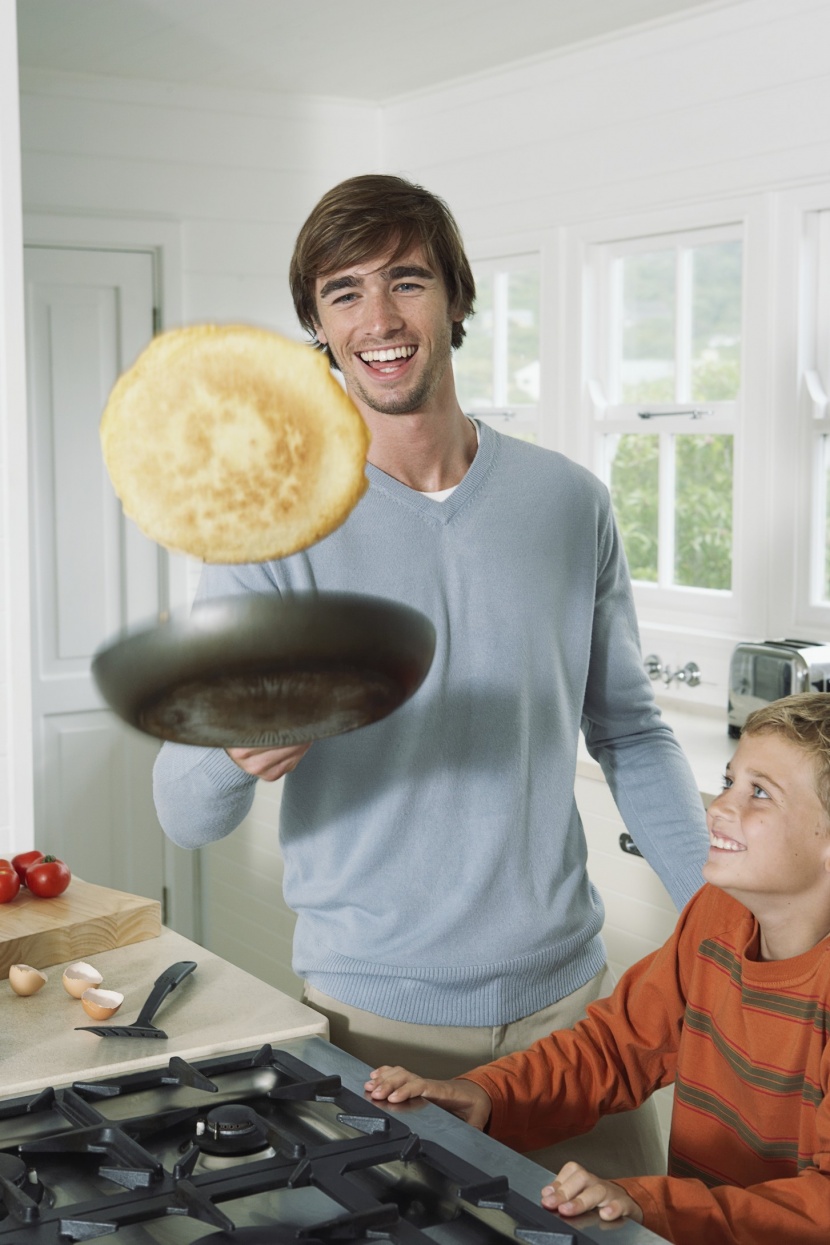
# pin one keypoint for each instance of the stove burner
(15, 1171)
(231, 1129)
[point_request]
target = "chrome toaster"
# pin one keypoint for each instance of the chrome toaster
(770, 669)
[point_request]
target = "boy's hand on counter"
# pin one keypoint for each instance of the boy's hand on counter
(463, 1098)
(576, 1190)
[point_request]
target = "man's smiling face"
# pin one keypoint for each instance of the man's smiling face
(389, 327)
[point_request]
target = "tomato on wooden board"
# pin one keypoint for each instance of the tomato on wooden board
(21, 863)
(48, 877)
(9, 882)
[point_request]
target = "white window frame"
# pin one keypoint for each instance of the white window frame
(509, 417)
(802, 385)
(815, 391)
(742, 611)
(665, 419)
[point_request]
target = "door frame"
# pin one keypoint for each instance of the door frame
(162, 238)
(16, 774)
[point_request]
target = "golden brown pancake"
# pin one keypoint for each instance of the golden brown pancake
(233, 444)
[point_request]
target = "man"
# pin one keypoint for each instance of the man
(436, 860)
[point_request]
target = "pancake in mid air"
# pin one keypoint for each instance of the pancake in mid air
(233, 444)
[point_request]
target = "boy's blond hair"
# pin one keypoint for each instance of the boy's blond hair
(805, 721)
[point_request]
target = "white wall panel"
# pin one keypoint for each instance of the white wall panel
(238, 172)
(639, 913)
(712, 105)
(234, 246)
(182, 190)
(245, 299)
(210, 133)
(244, 917)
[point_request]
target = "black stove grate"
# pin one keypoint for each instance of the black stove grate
(70, 1130)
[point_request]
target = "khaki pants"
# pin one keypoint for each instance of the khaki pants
(619, 1145)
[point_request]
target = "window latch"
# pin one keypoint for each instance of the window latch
(697, 413)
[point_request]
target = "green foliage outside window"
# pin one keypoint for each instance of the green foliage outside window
(703, 507)
(523, 337)
(473, 362)
(716, 321)
(703, 511)
(648, 366)
(707, 279)
(634, 493)
(647, 345)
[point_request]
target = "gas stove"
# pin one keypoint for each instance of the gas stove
(263, 1145)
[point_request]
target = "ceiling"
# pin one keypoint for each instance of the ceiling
(361, 49)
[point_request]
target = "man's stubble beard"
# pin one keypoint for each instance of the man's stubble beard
(400, 404)
(406, 403)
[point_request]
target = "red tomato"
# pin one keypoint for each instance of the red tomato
(9, 882)
(21, 863)
(48, 877)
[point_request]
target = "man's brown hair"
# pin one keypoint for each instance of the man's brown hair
(379, 215)
(804, 720)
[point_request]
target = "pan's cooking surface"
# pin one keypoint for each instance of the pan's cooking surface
(271, 709)
(267, 671)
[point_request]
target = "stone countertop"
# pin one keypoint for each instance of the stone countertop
(702, 734)
(217, 1008)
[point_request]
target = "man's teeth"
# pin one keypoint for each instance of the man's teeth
(727, 845)
(383, 356)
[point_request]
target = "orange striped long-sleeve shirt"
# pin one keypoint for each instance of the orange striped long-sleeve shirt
(744, 1041)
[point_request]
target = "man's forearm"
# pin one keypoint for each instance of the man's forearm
(200, 794)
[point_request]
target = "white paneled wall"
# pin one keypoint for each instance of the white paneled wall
(715, 104)
(639, 913)
(244, 916)
(238, 172)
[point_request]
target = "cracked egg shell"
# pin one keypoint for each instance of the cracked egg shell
(25, 980)
(80, 976)
(101, 1004)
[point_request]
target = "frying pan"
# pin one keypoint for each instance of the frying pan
(267, 671)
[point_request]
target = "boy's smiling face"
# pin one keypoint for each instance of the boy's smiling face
(770, 836)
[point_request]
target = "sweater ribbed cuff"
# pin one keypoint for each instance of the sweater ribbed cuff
(223, 773)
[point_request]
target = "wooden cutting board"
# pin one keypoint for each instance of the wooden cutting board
(83, 920)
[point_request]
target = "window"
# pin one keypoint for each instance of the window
(815, 334)
(666, 387)
(497, 368)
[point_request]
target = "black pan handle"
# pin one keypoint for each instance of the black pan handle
(168, 981)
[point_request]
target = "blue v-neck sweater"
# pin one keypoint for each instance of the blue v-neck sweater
(436, 860)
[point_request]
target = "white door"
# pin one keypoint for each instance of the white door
(89, 313)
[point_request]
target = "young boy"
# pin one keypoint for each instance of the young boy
(734, 1011)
